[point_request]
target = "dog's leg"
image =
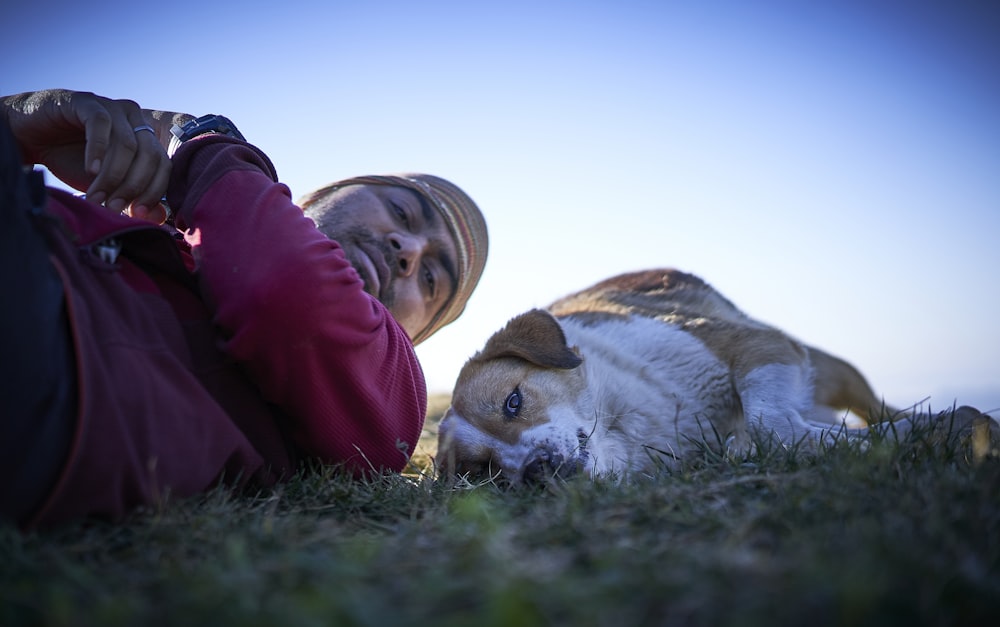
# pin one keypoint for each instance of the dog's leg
(772, 377)
(839, 385)
(776, 400)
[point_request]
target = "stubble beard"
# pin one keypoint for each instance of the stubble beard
(351, 239)
(350, 236)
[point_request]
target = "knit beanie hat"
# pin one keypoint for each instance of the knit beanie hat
(465, 222)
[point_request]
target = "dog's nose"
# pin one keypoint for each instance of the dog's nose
(545, 465)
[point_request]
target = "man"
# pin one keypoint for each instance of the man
(440, 249)
(144, 360)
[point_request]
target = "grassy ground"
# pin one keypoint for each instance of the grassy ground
(905, 534)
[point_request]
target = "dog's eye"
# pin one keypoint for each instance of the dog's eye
(512, 405)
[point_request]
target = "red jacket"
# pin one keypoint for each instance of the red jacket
(230, 353)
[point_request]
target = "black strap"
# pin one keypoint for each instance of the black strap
(38, 396)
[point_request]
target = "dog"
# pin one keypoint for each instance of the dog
(639, 370)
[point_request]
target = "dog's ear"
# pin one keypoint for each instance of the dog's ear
(535, 337)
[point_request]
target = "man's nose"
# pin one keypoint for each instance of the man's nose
(408, 249)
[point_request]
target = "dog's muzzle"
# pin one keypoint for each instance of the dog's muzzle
(546, 464)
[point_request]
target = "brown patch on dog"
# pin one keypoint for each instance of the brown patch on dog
(839, 384)
(690, 303)
(535, 337)
(685, 301)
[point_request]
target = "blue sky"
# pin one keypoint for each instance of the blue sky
(833, 168)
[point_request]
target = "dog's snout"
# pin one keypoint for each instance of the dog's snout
(545, 465)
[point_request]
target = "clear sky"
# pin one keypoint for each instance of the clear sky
(832, 167)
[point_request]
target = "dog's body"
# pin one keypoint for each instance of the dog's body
(638, 370)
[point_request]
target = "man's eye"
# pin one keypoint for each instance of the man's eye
(431, 281)
(400, 213)
(512, 406)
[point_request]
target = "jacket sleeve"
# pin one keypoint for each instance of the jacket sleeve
(291, 310)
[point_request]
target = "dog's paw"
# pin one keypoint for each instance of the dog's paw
(785, 425)
(740, 446)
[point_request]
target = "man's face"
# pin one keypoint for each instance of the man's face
(400, 246)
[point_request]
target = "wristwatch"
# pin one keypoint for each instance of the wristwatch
(199, 126)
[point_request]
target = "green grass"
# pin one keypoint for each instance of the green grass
(903, 533)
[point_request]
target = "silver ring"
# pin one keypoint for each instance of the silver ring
(144, 127)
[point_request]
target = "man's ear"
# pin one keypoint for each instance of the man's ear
(535, 337)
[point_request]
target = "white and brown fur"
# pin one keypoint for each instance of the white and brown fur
(641, 369)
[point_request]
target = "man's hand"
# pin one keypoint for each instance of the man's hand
(92, 144)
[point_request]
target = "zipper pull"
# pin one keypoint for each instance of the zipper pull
(108, 250)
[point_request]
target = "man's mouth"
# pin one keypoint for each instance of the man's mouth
(373, 269)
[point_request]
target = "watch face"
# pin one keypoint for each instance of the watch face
(207, 124)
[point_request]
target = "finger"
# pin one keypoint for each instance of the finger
(122, 143)
(147, 177)
(97, 124)
(146, 204)
(156, 186)
(157, 214)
